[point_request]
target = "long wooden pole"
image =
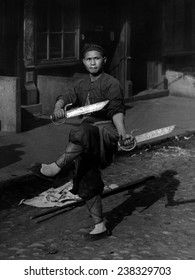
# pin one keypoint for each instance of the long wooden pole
(74, 204)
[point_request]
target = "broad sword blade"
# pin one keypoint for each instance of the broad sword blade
(154, 134)
(86, 109)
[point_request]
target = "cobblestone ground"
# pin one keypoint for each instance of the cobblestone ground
(155, 220)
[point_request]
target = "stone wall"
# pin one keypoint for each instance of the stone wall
(180, 84)
(10, 104)
(49, 88)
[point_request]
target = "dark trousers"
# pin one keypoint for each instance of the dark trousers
(84, 149)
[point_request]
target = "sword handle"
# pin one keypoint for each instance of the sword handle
(129, 147)
(132, 144)
(53, 116)
(59, 120)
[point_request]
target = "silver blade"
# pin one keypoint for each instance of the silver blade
(86, 109)
(154, 134)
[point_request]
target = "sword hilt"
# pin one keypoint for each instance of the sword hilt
(131, 146)
(60, 120)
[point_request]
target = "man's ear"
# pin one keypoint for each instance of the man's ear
(105, 59)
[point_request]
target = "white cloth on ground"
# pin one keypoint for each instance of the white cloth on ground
(57, 197)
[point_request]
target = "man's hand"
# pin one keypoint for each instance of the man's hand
(127, 140)
(59, 114)
(127, 143)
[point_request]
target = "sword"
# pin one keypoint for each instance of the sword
(81, 110)
(135, 140)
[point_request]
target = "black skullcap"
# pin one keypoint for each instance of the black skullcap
(93, 47)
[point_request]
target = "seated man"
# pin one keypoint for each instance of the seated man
(93, 144)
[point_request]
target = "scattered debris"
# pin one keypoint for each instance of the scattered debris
(187, 137)
(174, 151)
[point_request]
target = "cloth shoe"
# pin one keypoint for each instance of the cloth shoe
(36, 170)
(94, 237)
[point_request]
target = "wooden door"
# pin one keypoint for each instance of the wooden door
(120, 65)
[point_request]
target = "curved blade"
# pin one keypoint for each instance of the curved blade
(86, 109)
(154, 133)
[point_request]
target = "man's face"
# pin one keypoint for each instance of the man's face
(94, 62)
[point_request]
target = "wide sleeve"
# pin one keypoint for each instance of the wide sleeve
(115, 95)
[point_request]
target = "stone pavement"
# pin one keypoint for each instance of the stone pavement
(153, 221)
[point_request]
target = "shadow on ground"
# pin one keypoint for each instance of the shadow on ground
(33, 122)
(163, 186)
(10, 154)
(30, 121)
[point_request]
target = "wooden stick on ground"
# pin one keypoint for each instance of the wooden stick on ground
(74, 204)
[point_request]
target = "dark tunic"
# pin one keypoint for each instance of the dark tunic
(104, 88)
(97, 134)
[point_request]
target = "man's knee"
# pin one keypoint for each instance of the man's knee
(85, 135)
(76, 135)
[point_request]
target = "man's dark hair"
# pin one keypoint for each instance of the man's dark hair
(93, 47)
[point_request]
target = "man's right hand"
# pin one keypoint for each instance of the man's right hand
(58, 114)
